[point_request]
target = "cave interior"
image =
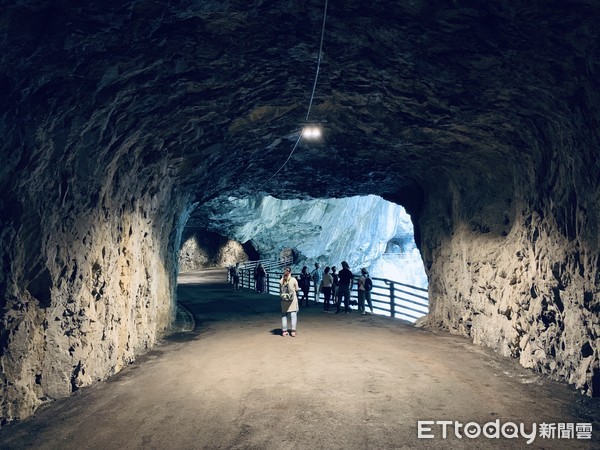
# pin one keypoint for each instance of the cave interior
(119, 118)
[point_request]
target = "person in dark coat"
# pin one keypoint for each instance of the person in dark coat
(304, 285)
(260, 276)
(345, 279)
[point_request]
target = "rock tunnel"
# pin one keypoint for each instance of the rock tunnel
(480, 118)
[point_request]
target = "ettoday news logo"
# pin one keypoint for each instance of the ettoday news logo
(430, 429)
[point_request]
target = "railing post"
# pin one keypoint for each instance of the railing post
(392, 300)
(268, 284)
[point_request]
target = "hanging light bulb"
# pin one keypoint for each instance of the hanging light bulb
(312, 132)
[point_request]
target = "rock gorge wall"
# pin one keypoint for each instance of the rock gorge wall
(90, 227)
(86, 290)
(357, 229)
(524, 277)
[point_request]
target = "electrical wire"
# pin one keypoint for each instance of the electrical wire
(312, 95)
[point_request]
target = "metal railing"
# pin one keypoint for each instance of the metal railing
(269, 265)
(399, 299)
(390, 298)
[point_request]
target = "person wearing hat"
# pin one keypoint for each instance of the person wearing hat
(365, 284)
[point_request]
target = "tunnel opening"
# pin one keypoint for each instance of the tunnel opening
(250, 250)
(366, 231)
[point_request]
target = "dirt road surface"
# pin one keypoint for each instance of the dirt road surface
(345, 382)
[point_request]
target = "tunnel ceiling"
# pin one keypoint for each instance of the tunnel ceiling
(216, 91)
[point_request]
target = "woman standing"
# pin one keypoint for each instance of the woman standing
(289, 302)
(327, 284)
(334, 287)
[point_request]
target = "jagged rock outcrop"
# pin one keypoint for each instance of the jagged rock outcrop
(202, 248)
(481, 118)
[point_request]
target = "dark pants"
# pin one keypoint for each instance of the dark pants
(362, 296)
(304, 295)
(260, 284)
(343, 291)
(327, 295)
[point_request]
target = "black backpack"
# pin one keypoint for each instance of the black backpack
(368, 284)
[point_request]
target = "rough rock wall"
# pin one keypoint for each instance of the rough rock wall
(84, 290)
(90, 225)
(203, 248)
(521, 274)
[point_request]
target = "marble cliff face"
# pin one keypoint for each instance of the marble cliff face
(480, 118)
(358, 230)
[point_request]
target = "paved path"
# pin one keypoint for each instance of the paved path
(345, 382)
